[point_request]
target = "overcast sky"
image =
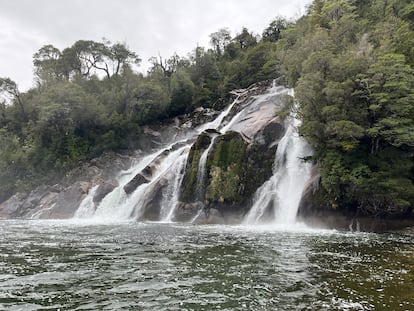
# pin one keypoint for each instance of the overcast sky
(148, 27)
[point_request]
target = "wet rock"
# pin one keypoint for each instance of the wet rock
(103, 189)
(12, 206)
(214, 217)
(68, 201)
(225, 169)
(47, 203)
(151, 207)
(199, 116)
(189, 184)
(149, 131)
(186, 212)
(137, 181)
(271, 134)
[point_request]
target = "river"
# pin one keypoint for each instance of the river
(76, 265)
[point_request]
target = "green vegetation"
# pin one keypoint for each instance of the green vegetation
(350, 62)
(189, 184)
(226, 169)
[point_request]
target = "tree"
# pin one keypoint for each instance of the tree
(120, 55)
(9, 88)
(220, 39)
(84, 57)
(390, 88)
(168, 66)
(272, 32)
(182, 93)
(47, 63)
(245, 39)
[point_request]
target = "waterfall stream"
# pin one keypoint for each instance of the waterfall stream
(279, 196)
(170, 196)
(277, 200)
(201, 171)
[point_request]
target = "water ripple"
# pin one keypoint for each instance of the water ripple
(47, 265)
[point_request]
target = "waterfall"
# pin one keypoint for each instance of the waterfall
(118, 205)
(170, 196)
(215, 124)
(152, 184)
(87, 207)
(279, 197)
(201, 170)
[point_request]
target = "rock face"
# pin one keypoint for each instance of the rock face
(237, 162)
(61, 201)
(103, 189)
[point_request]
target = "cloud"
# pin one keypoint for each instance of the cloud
(148, 27)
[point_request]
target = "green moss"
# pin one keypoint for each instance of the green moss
(224, 185)
(226, 169)
(189, 185)
(229, 149)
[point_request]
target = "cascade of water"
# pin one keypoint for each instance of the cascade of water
(217, 121)
(280, 195)
(118, 205)
(201, 170)
(170, 196)
(112, 207)
(280, 192)
(87, 207)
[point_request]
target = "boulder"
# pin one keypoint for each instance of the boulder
(68, 201)
(151, 207)
(137, 181)
(12, 206)
(103, 189)
(186, 212)
(214, 217)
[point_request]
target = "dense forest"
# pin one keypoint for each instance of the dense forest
(349, 61)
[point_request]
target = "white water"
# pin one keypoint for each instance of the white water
(87, 207)
(118, 205)
(215, 124)
(170, 196)
(201, 170)
(279, 197)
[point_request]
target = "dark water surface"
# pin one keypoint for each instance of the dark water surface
(51, 265)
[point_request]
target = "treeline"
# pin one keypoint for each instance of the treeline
(351, 63)
(89, 99)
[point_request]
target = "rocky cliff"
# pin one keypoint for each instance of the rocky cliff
(238, 159)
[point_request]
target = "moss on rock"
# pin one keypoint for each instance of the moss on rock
(189, 184)
(225, 167)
